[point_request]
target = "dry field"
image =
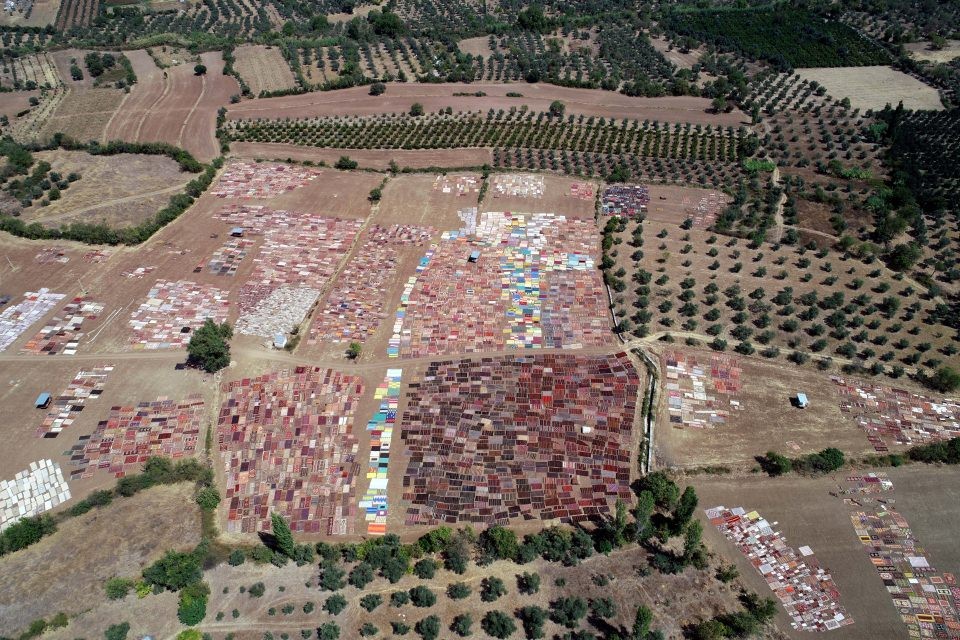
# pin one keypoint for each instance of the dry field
(121, 190)
(874, 87)
(169, 56)
(361, 12)
(803, 509)
(174, 106)
(675, 600)
(66, 571)
(367, 158)
(399, 97)
(263, 68)
(556, 197)
(84, 113)
(62, 60)
(12, 103)
(766, 421)
(674, 204)
(922, 51)
(674, 55)
(479, 46)
(44, 12)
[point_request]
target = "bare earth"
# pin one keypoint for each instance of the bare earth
(922, 51)
(368, 158)
(263, 68)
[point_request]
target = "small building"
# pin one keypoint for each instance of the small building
(237, 232)
(802, 401)
(279, 341)
(43, 400)
(474, 256)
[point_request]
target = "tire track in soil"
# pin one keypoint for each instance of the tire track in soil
(183, 125)
(163, 94)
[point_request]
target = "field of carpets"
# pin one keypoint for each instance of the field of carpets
(62, 334)
(39, 488)
(131, 434)
(356, 306)
(288, 446)
(298, 255)
(505, 280)
(889, 415)
(536, 437)
(701, 395)
(629, 201)
(375, 502)
(16, 319)
(173, 310)
(804, 588)
(261, 180)
(63, 410)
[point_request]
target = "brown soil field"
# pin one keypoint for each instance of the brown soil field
(875, 87)
(67, 570)
(399, 97)
(767, 420)
(803, 509)
(922, 51)
(176, 106)
(84, 113)
(556, 198)
(367, 158)
(263, 68)
(121, 190)
(62, 60)
(13, 103)
(674, 204)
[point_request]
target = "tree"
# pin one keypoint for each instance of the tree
(945, 379)
(498, 624)
(237, 558)
(491, 588)
(282, 535)
(361, 575)
(328, 631)
(528, 583)
(532, 618)
(173, 571)
(425, 569)
(557, 109)
(499, 542)
(199, 70)
(377, 89)
(665, 491)
(335, 604)
(353, 351)
(423, 597)
(117, 631)
(568, 611)
(193, 603)
(428, 628)
(208, 498)
(208, 347)
(641, 623)
(416, 109)
(371, 601)
(461, 625)
(684, 510)
(533, 19)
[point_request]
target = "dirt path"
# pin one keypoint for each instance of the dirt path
(778, 211)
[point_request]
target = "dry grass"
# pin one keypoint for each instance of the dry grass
(263, 68)
(922, 51)
(874, 87)
(83, 114)
(66, 571)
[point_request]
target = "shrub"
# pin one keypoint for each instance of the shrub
(458, 590)
(208, 498)
(237, 558)
(416, 109)
(371, 601)
(528, 583)
(428, 628)
(118, 588)
(399, 598)
(461, 625)
(345, 163)
(532, 618)
(568, 611)
(328, 631)
(377, 89)
(117, 631)
(425, 569)
(257, 590)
